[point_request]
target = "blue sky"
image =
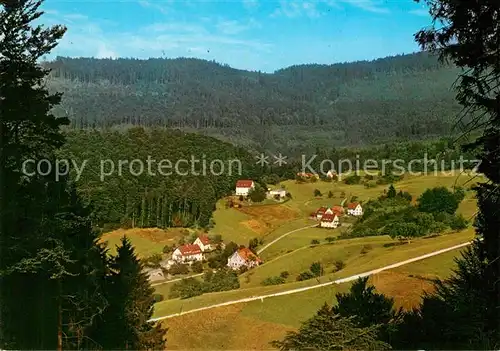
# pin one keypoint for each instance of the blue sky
(247, 34)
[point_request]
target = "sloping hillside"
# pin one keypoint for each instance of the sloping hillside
(399, 97)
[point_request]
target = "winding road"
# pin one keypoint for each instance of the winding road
(294, 291)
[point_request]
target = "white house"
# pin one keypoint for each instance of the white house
(203, 241)
(272, 193)
(329, 220)
(244, 186)
(354, 209)
(243, 257)
(187, 253)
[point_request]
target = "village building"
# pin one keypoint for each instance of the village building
(329, 220)
(308, 175)
(355, 209)
(320, 212)
(272, 193)
(154, 274)
(331, 174)
(203, 241)
(187, 253)
(243, 257)
(243, 187)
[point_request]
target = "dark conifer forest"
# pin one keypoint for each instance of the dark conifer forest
(394, 98)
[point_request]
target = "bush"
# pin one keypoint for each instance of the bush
(197, 267)
(288, 195)
(273, 281)
(458, 222)
(157, 297)
(284, 274)
(167, 249)
(339, 264)
(329, 239)
(316, 269)
(186, 288)
(305, 276)
(317, 193)
(354, 179)
(314, 242)
(330, 194)
(178, 268)
(440, 199)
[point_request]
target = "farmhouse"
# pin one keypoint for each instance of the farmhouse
(187, 253)
(272, 193)
(329, 221)
(243, 257)
(244, 186)
(354, 209)
(320, 212)
(203, 241)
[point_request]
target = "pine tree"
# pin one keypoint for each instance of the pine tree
(329, 331)
(51, 267)
(391, 193)
(124, 325)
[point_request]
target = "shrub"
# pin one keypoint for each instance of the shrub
(305, 276)
(329, 239)
(167, 249)
(339, 264)
(354, 179)
(458, 222)
(288, 195)
(178, 268)
(316, 269)
(314, 242)
(330, 194)
(157, 297)
(197, 267)
(186, 288)
(153, 261)
(317, 193)
(284, 274)
(273, 281)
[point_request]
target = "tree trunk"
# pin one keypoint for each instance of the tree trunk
(59, 318)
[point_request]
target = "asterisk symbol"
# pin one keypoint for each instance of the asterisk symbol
(262, 160)
(280, 159)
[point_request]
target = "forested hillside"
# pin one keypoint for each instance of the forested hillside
(356, 103)
(161, 194)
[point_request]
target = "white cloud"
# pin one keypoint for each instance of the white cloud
(374, 6)
(215, 40)
(420, 12)
(231, 27)
(294, 9)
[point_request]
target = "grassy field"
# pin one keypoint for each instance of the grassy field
(147, 241)
(253, 325)
(379, 256)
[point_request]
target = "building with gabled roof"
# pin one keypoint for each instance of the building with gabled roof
(243, 257)
(329, 220)
(187, 253)
(355, 209)
(244, 186)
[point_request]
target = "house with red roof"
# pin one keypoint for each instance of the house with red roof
(244, 186)
(204, 242)
(320, 212)
(243, 257)
(329, 220)
(355, 209)
(187, 253)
